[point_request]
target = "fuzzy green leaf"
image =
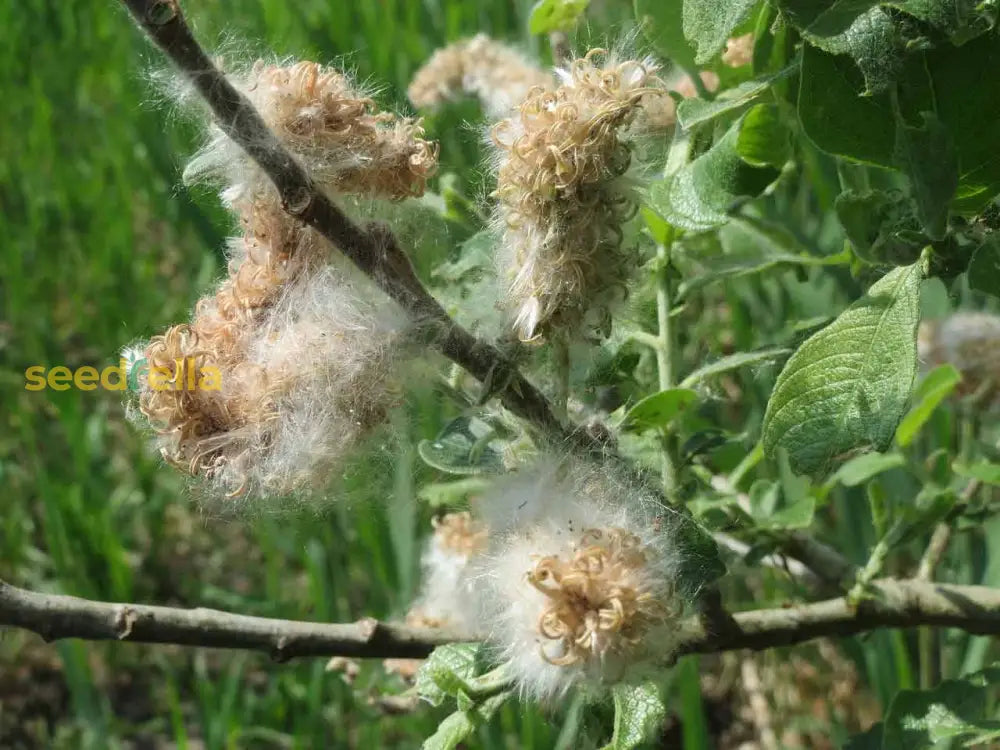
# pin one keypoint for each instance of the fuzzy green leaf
(765, 139)
(460, 725)
(984, 270)
(709, 23)
(882, 227)
(555, 15)
(967, 100)
(963, 19)
(658, 410)
(448, 670)
(700, 563)
(703, 193)
(639, 712)
(954, 710)
(933, 389)
(861, 29)
(926, 154)
(846, 387)
(836, 117)
(691, 112)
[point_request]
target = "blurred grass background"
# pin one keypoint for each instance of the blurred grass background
(102, 246)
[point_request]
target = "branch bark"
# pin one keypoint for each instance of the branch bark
(893, 604)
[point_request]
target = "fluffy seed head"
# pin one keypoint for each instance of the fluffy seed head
(304, 352)
(499, 76)
(971, 342)
(564, 195)
(316, 112)
(578, 587)
(447, 595)
(299, 389)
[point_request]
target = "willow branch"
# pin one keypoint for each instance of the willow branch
(373, 249)
(54, 617)
(892, 604)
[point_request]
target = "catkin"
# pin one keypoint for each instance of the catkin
(564, 194)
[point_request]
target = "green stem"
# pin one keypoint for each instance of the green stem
(665, 356)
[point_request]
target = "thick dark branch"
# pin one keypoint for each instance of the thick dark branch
(372, 249)
(893, 604)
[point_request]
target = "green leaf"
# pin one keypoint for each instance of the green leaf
(709, 23)
(967, 99)
(460, 725)
(870, 740)
(926, 154)
(448, 670)
(862, 29)
(702, 194)
(692, 112)
(733, 362)
(746, 245)
(984, 471)
(462, 447)
(963, 19)
(658, 410)
(662, 23)
(765, 139)
(984, 270)
(555, 15)
(639, 712)
(798, 515)
(862, 468)
(933, 389)
(475, 254)
(700, 563)
(834, 115)
(846, 387)
(445, 494)
(954, 710)
(931, 506)
(881, 226)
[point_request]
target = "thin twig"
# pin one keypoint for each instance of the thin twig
(941, 537)
(891, 604)
(823, 560)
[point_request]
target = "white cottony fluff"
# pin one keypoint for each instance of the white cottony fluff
(578, 584)
(447, 592)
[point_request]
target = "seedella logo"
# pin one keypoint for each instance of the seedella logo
(132, 374)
